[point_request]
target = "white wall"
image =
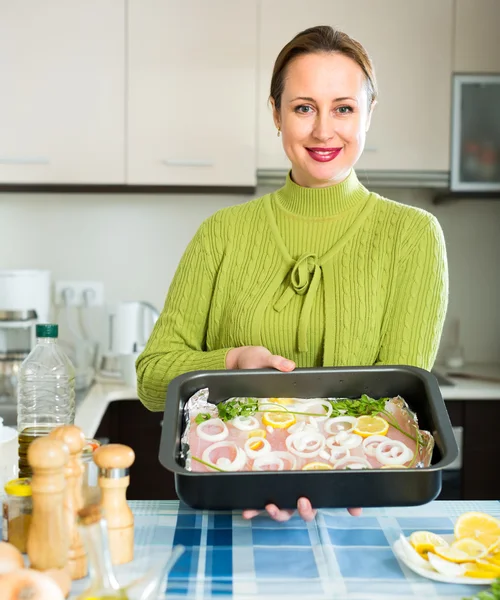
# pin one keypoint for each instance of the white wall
(133, 243)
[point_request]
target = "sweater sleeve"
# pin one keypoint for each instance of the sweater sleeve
(177, 343)
(414, 322)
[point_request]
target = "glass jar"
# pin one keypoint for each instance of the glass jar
(90, 487)
(17, 510)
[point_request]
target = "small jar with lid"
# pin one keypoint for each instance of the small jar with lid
(17, 510)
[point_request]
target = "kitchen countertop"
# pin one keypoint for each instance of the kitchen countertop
(91, 408)
(336, 556)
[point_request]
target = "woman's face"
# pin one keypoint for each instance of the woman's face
(324, 117)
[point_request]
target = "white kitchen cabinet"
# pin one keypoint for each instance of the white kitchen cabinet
(191, 92)
(410, 43)
(477, 38)
(62, 101)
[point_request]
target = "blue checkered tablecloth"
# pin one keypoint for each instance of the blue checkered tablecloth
(336, 557)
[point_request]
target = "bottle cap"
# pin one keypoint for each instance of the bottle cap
(19, 487)
(47, 330)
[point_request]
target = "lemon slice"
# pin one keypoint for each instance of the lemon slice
(257, 433)
(494, 559)
(278, 420)
(478, 571)
(482, 527)
(317, 466)
(426, 541)
(257, 445)
(471, 547)
(486, 564)
(452, 554)
(367, 426)
(282, 401)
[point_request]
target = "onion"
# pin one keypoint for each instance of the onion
(324, 403)
(296, 427)
(370, 444)
(305, 444)
(270, 458)
(337, 421)
(287, 456)
(233, 465)
(338, 453)
(349, 440)
(393, 452)
(28, 583)
(10, 558)
(353, 462)
(265, 448)
(212, 437)
(245, 423)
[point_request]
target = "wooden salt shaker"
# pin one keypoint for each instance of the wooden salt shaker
(114, 462)
(48, 540)
(74, 439)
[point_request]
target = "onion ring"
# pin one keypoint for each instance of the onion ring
(386, 457)
(354, 460)
(368, 443)
(212, 437)
(330, 422)
(265, 449)
(234, 465)
(245, 423)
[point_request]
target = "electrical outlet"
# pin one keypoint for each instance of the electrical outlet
(79, 293)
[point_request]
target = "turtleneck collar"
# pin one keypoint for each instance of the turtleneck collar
(321, 202)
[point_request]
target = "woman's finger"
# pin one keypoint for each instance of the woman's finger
(250, 514)
(280, 363)
(355, 512)
(306, 511)
(277, 514)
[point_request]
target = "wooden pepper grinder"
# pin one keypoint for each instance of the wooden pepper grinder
(48, 540)
(114, 462)
(74, 439)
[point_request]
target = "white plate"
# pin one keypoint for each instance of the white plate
(434, 575)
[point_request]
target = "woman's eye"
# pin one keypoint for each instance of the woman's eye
(303, 109)
(344, 110)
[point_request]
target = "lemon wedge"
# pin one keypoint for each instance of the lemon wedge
(471, 547)
(426, 541)
(478, 571)
(317, 466)
(366, 426)
(482, 527)
(452, 554)
(278, 420)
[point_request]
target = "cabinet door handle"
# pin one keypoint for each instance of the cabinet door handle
(187, 163)
(29, 160)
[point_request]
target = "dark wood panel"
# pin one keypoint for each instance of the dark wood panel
(480, 469)
(129, 422)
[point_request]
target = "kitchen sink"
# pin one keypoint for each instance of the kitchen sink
(442, 379)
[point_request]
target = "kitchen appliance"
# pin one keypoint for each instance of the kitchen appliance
(24, 302)
(358, 488)
(475, 134)
(131, 324)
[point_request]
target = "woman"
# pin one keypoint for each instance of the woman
(320, 272)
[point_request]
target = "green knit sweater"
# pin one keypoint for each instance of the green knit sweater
(334, 276)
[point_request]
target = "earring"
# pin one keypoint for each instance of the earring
(279, 132)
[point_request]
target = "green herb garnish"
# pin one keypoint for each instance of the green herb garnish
(207, 464)
(201, 417)
(358, 407)
(492, 594)
(237, 408)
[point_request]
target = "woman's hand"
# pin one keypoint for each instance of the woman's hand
(304, 507)
(257, 357)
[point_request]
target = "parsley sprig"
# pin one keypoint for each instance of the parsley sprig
(492, 594)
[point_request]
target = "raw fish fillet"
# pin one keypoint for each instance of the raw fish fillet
(320, 438)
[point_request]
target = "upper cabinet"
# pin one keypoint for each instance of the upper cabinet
(191, 92)
(477, 39)
(62, 102)
(410, 44)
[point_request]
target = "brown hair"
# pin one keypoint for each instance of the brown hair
(321, 39)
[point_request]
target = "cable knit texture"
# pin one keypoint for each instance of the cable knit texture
(334, 276)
